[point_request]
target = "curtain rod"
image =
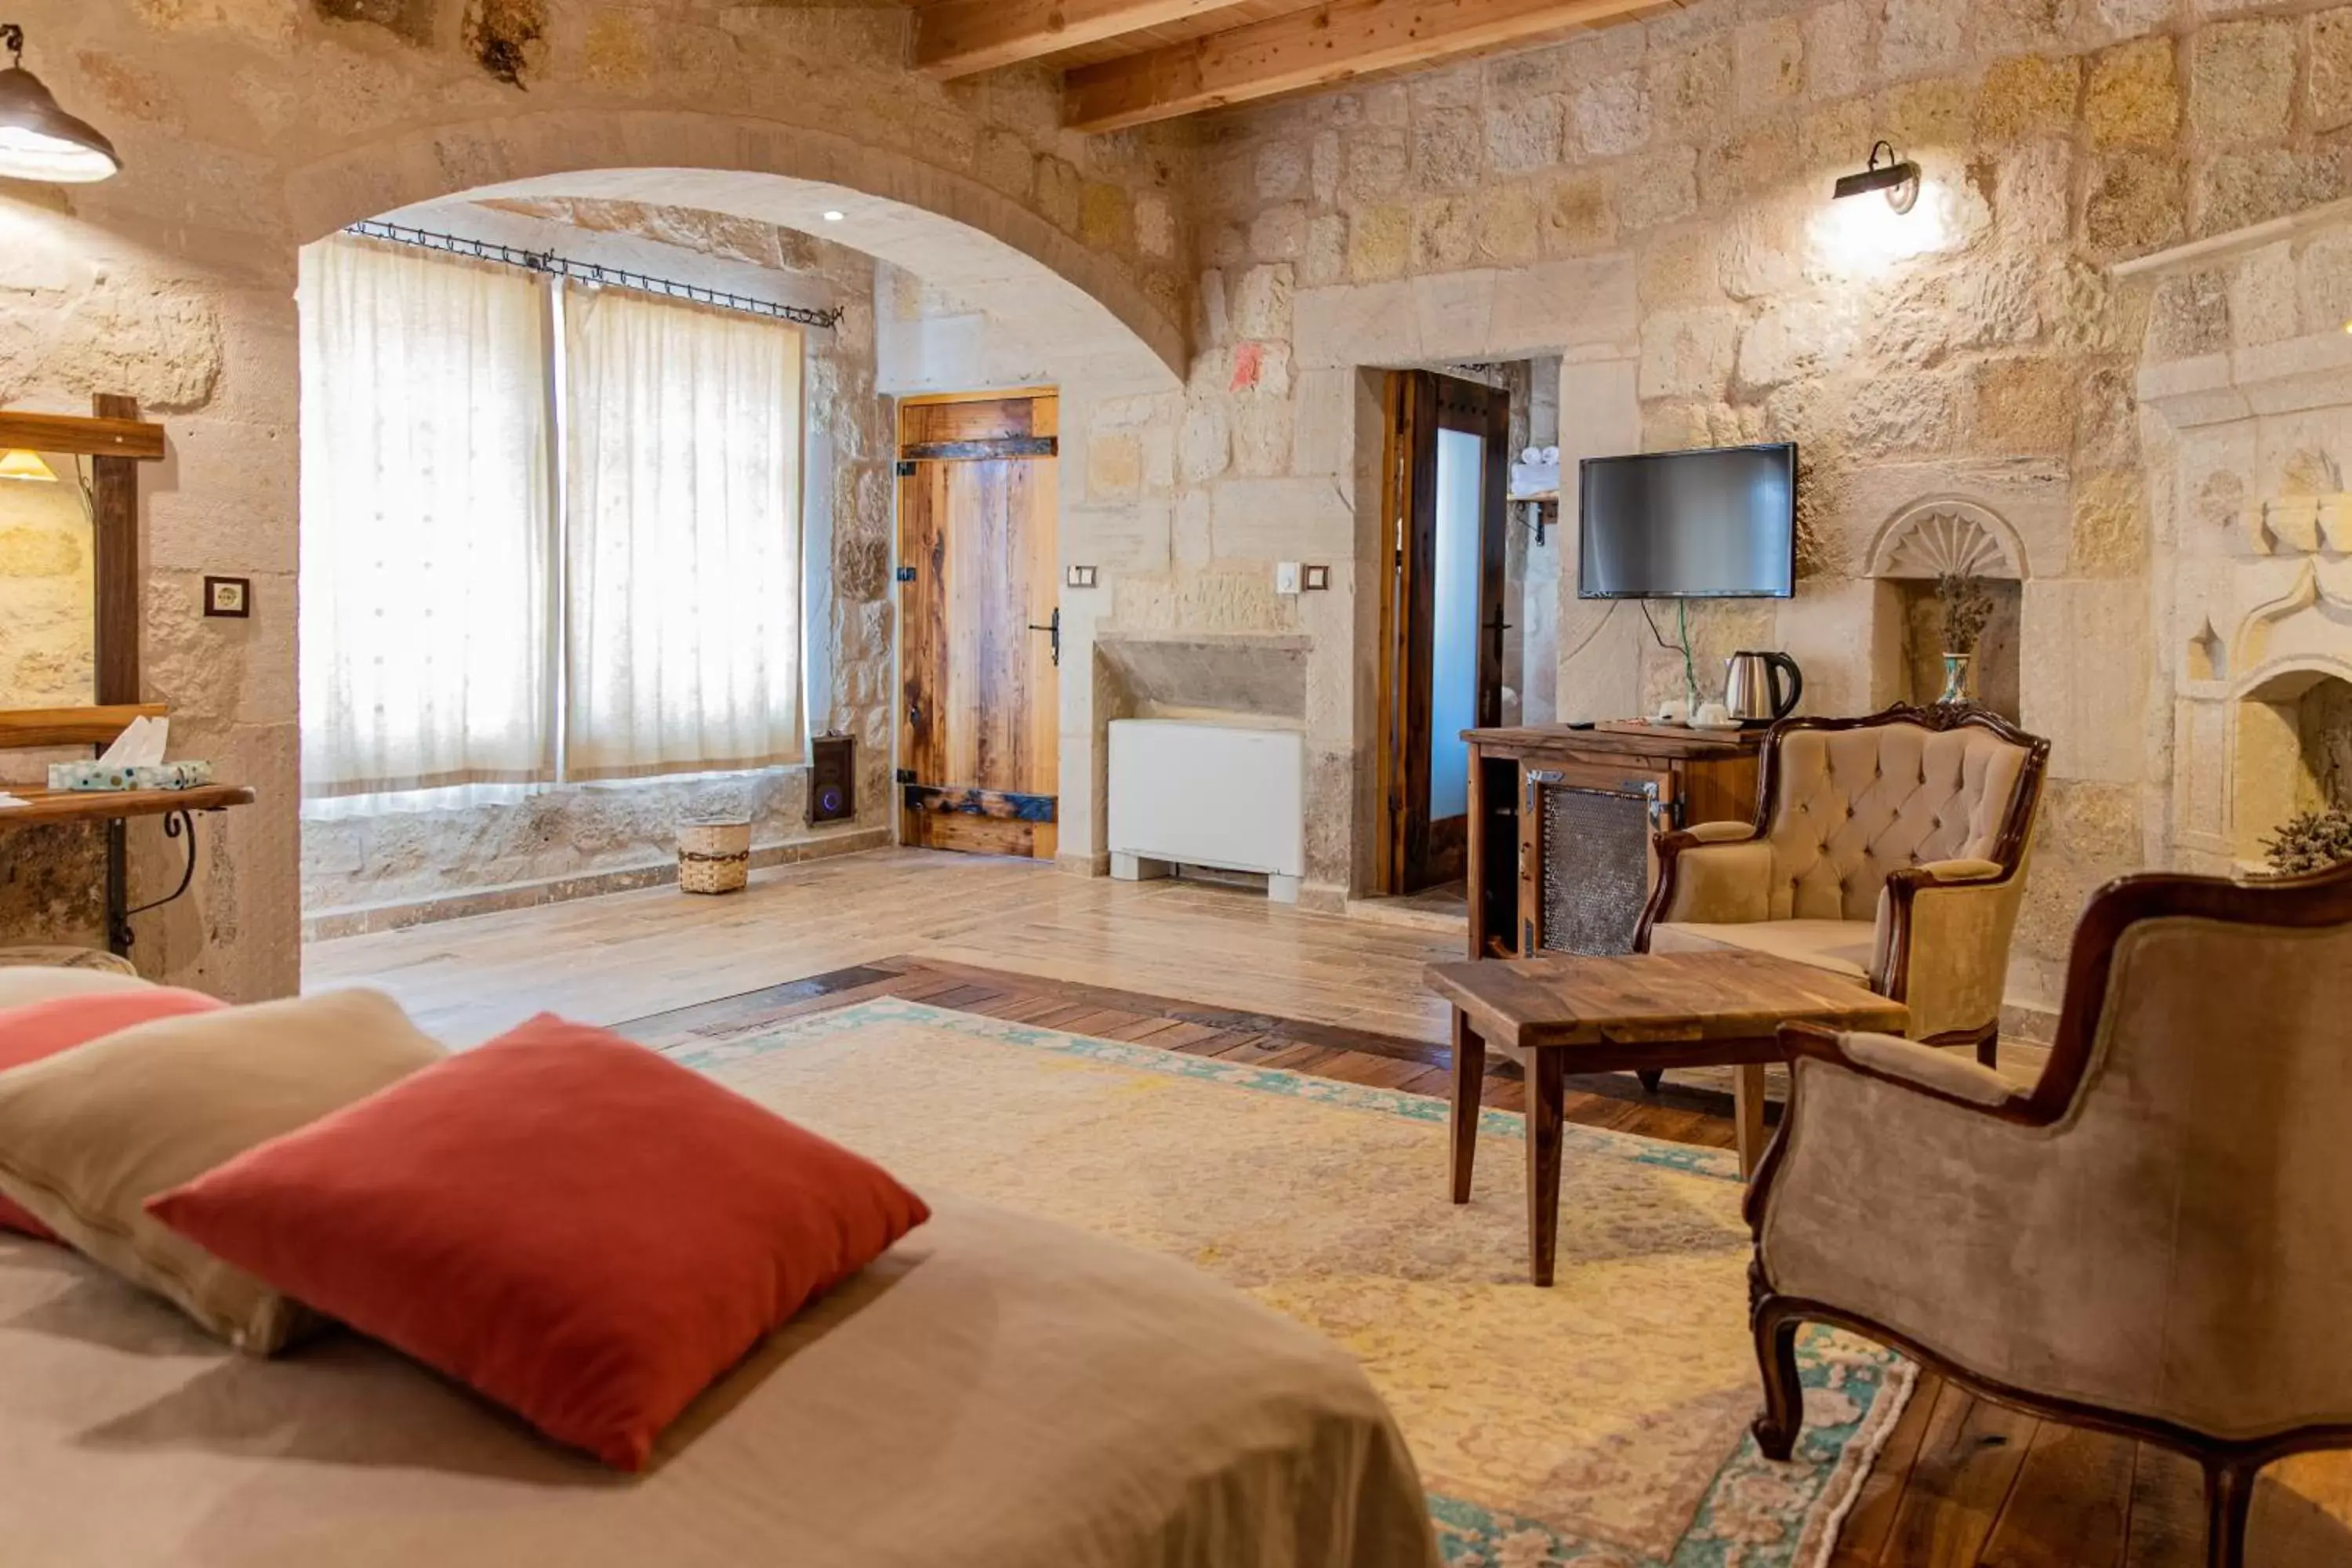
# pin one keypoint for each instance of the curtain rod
(588, 272)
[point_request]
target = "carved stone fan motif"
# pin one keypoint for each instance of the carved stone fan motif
(1937, 538)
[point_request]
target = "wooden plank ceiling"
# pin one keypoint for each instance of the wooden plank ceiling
(1131, 62)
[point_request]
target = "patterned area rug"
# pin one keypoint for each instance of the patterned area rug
(1601, 1423)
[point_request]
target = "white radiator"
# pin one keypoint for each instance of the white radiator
(1208, 795)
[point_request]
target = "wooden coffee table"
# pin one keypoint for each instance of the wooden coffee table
(1638, 1013)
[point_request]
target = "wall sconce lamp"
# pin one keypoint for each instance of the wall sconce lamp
(39, 141)
(28, 467)
(1898, 176)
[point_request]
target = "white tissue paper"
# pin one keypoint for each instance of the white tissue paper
(8, 800)
(140, 746)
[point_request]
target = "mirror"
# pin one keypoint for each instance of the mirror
(47, 580)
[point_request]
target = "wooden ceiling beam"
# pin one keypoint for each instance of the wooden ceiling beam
(962, 37)
(1335, 42)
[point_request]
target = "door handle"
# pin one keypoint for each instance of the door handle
(1055, 627)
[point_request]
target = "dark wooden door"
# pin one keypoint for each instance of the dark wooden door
(979, 718)
(1448, 481)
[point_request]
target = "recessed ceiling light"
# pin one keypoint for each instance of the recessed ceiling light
(836, 216)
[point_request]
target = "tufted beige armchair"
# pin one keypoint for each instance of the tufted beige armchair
(1891, 849)
(2157, 1240)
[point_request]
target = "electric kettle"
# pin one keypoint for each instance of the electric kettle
(1751, 686)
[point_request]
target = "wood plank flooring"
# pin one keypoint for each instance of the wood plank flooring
(1963, 1483)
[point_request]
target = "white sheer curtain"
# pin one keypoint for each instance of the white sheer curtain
(426, 645)
(682, 538)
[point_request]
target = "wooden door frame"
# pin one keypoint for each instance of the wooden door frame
(1007, 812)
(1414, 408)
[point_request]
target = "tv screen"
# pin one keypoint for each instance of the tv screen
(1717, 525)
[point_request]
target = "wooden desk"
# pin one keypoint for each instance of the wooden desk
(1580, 807)
(1638, 1013)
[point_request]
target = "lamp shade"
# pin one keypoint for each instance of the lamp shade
(41, 142)
(23, 465)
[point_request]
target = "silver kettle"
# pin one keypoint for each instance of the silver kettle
(1752, 690)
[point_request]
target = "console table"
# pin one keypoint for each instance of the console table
(1561, 822)
(46, 728)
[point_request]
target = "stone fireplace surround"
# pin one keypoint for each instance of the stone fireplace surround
(2248, 384)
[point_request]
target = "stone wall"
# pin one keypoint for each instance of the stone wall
(438, 854)
(1653, 201)
(250, 127)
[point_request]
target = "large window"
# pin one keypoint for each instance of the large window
(546, 533)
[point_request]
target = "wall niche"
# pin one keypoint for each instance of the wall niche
(1920, 545)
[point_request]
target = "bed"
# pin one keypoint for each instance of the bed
(995, 1392)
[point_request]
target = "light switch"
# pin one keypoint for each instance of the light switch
(1082, 577)
(1286, 577)
(1319, 579)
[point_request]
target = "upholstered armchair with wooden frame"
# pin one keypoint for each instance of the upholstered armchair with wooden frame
(2155, 1241)
(1891, 849)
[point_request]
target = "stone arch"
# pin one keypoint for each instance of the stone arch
(943, 226)
(1948, 534)
(2302, 629)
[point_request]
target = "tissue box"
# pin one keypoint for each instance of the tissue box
(108, 776)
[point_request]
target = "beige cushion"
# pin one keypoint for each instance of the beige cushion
(1842, 947)
(86, 1137)
(23, 987)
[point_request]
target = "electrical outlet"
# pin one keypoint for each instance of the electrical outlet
(1286, 577)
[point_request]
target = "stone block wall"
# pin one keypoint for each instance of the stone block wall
(250, 127)
(1652, 202)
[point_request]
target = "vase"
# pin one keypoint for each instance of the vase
(1956, 679)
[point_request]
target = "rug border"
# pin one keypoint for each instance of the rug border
(1722, 1164)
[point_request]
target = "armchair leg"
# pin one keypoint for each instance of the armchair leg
(1777, 1429)
(2229, 1504)
(1651, 1079)
(1988, 1049)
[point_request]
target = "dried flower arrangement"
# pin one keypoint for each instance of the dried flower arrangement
(2311, 842)
(1967, 608)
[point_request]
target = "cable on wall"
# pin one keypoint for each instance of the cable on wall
(588, 272)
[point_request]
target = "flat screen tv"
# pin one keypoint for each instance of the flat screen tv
(1717, 525)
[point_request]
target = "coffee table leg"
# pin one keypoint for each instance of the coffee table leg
(1547, 1095)
(1469, 1085)
(1748, 1103)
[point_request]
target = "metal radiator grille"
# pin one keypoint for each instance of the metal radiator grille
(1596, 869)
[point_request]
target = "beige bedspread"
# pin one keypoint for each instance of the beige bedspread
(997, 1392)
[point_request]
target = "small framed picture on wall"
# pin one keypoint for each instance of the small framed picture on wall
(229, 597)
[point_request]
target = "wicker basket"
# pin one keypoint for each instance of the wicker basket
(714, 857)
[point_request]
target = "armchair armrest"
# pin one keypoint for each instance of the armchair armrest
(1718, 873)
(1878, 1081)
(1943, 942)
(1906, 1063)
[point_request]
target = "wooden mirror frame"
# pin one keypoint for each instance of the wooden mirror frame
(117, 441)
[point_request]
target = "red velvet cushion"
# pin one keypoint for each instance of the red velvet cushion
(585, 1232)
(41, 1029)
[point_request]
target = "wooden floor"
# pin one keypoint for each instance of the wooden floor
(1211, 971)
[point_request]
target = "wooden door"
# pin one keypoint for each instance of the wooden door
(980, 695)
(1447, 480)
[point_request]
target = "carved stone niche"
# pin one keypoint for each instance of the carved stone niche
(1941, 535)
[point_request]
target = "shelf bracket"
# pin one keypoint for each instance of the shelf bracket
(177, 825)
